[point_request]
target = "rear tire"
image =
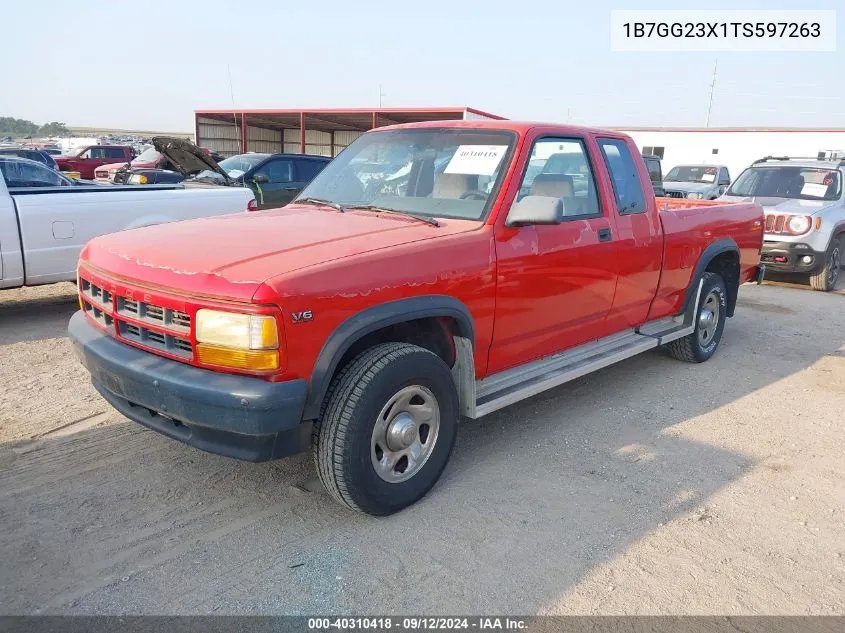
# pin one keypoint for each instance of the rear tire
(827, 276)
(388, 428)
(709, 323)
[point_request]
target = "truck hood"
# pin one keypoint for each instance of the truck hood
(786, 205)
(230, 256)
(186, 157)
(688, 187)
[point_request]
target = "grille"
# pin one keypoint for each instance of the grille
(675, 194)
(775, 224)
(166, 325)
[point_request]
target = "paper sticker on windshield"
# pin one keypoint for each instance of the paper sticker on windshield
(481, 160)
(708, 177)
(814, 189)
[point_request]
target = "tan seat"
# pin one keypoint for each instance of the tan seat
(452, 185)
(558, 186)
(553, 185)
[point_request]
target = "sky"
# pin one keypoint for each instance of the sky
(149, 65)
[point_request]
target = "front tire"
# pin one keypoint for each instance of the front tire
(827, 276)
(388, 428)
(709, 323)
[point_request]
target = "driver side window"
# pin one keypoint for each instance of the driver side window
(561, 168)
(40, 176)
(277, 171)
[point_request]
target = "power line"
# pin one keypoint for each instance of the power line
(712, 88)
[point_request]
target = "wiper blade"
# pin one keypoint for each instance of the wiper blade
(328, 203)
(377, 209)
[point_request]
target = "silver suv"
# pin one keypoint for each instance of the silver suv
(697, 182)
(805, 214)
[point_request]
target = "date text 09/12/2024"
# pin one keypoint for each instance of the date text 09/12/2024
(416, 624)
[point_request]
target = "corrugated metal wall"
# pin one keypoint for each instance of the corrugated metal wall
(225, 137)
(218, 136)
(342, 139)
(260, 139)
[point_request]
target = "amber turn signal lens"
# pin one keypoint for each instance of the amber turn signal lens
(254, 360)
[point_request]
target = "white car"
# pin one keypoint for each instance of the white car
(46, 218)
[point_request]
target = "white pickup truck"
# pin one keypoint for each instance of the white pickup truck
(43, 229)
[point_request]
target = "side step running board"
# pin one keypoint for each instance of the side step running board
(511, 386)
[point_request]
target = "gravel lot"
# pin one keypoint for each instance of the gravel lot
(651, 487)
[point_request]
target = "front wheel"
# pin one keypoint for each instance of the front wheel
(388, 428)
(827, 276)
(709, 323)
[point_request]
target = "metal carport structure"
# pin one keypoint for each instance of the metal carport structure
(319, 131)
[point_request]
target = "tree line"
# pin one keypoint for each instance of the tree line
(10, 126)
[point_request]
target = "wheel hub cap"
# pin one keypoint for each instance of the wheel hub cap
(402, 432)
(708, 318)
(405, 433)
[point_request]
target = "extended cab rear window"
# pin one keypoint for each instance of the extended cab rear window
(437, 172)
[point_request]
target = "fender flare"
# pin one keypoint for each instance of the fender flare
(370, 320)
(718, 247)
(837, 231)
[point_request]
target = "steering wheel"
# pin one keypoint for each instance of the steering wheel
(473, 194)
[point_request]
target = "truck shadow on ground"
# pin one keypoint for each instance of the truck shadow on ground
(118, 519)
(42, 312)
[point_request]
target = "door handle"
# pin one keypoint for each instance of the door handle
(605, 235)
(291, 188)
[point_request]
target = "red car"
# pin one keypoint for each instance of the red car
(364, 319)
(87, 161)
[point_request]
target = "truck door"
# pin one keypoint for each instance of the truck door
(555, 283)
(639, 235)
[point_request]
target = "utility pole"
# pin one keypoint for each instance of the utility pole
(712, 86)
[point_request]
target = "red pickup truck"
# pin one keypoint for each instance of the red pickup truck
(368, 316)
(87, 161)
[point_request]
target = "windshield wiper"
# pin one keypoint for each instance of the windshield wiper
(377, 209)
(328, 203)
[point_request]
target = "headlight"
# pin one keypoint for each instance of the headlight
(695, 196)
(137, 179)
(798, 224)
(242, 341)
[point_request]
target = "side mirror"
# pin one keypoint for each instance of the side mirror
(536, 210)
(724, 183)
(260, 179)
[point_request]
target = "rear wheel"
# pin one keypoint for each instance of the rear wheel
(826, 277)
(709, 323)
(388, 428)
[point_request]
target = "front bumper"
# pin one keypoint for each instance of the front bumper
(236, 416)
(789, 257)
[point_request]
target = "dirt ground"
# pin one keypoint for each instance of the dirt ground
(652, 487)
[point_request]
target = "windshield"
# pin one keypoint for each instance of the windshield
(802, 183)
(435, 172)
(234, 166)
(149, 155)
(692, 173)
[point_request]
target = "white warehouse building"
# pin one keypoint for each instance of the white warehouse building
(736, 148)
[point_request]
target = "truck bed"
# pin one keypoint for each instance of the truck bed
(689, 229)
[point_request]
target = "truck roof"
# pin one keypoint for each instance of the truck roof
(520, 127)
